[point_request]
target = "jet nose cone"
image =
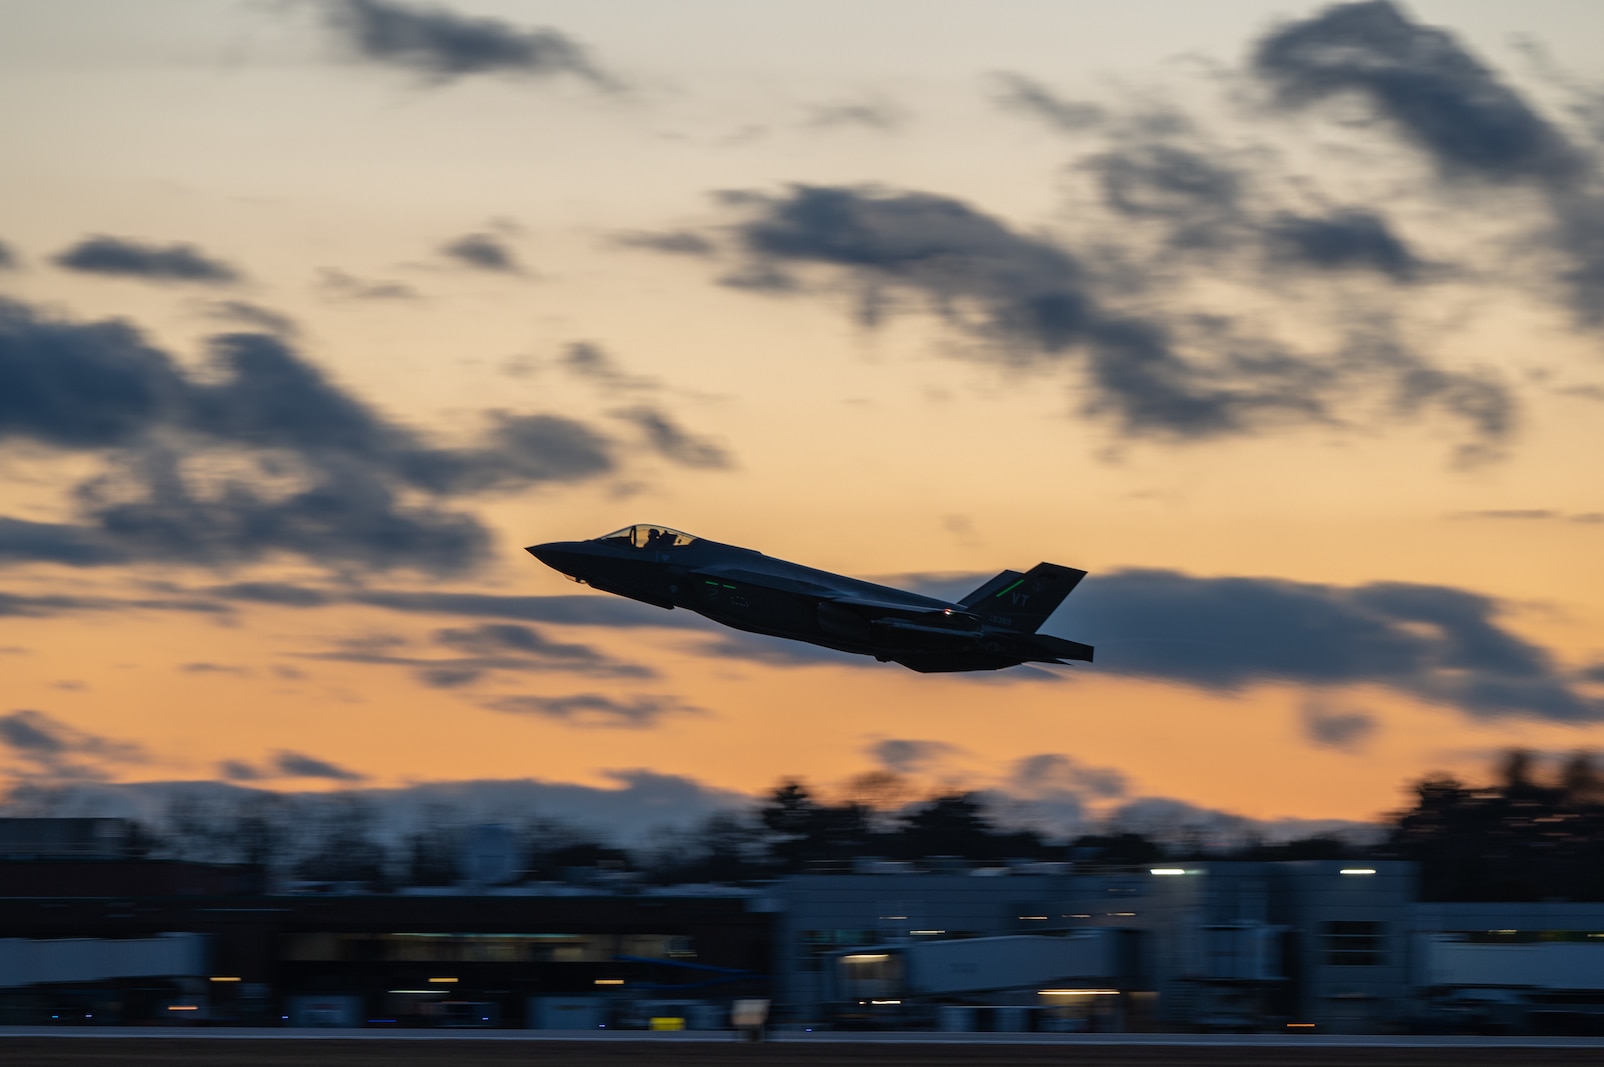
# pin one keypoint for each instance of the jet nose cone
(558, 555)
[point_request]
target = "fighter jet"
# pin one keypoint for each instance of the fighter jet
(991, 628)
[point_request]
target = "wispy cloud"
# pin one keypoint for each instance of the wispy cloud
(441, 46)
(483, 251)
(341, 285)
(596, 709)
(42, 747)
(1030, 301)
(289, 764)
(1328, 726)
(260, 454)
(125, 257)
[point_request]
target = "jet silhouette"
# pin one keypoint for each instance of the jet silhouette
(991, 628)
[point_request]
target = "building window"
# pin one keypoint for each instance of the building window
(1355, 944)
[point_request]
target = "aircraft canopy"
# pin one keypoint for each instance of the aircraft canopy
(654, 537)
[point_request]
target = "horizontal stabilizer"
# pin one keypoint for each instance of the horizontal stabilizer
(1062, 648)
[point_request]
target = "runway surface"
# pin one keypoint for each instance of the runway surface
(141, 1047)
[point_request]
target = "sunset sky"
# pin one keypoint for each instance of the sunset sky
(1284, 321)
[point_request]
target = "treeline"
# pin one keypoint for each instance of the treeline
(1530, 834)
(1527, 836)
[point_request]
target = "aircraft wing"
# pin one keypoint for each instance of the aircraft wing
(868, 606)
(882, 610)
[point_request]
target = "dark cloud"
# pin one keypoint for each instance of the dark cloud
(32, 731)
(45, 748)
(595, 709)
(449, 677)
(289, 764)
(123, 257)
(517, 450)
(1344, 240)
(512, 646)
(482, 651)
(234, 770)
(1197, 193)
(262, 393)
(904, 756)
(1422, 82)
(291, 462)
(54, 542)
(8, 258)
(274, 593)
(343, 286)
(252, 316)
(441, 45)
(214, 668)
(572, 610)
(1433, 94)
(1019, 93)
(57, 604)
(499, 638)
(673, 242)
(1207, 201)
(1329, 727)
(590, 361)
(483, 251)
(672, 442)
(1050, 772)
(880, 116)
(1579, 236)
(1436, 643)
(74, 385)
(34, 607)
(344, 518)
(1030, 302)
(593, 363)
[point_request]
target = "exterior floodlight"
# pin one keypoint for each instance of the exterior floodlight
(1166, 870)
(1357, 870)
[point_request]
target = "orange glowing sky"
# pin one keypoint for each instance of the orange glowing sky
(1415, 310)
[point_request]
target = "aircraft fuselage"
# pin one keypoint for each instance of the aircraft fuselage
(993, 627)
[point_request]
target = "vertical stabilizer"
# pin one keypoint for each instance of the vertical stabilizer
(1022, 602)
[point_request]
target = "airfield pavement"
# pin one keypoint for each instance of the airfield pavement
(32, 1050)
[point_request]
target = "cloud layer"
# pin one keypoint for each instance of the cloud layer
(261, 455)
(1435, 643)
(122, 257)
(441, 46)
(1030, 302)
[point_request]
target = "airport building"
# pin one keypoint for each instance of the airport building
(89, 936)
